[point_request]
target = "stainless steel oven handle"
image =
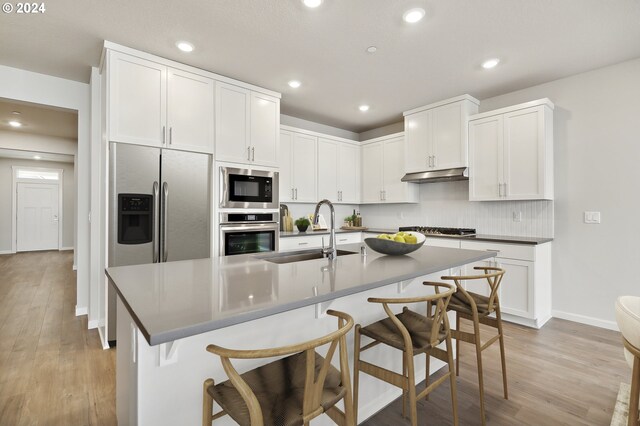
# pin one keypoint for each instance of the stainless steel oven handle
(165, 226)
(156, 225)
(271, 226)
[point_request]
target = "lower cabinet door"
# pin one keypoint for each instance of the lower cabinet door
(516, 289)
(477, 286)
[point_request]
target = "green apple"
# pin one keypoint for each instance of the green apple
(399, 239)
(411, 239)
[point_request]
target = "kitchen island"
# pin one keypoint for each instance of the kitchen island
(169, 312)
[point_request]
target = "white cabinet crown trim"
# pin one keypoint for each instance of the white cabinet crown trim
(442, 103)
(544, 101)
(108, 45)
(318, 134)
(383, 138)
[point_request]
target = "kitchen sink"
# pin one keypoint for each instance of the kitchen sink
(299, 256)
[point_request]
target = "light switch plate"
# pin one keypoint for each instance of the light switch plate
(592, 217)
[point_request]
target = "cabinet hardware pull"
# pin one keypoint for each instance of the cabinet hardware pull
(302, 244)
(434, 161)
(253, 153)
(505, 189)
(384, 195)
(296, 193)
(499, 190)
(248, 153)
(164, 134)
(170, 135)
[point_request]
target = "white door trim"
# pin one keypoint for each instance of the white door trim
(14, 200)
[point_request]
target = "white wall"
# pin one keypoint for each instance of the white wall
(597, 151)
(38, 143)
(68, 199)
(42, 89)
(287, 120)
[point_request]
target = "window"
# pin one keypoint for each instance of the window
(37, 174)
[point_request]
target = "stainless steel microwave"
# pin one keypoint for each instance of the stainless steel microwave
(248, 188)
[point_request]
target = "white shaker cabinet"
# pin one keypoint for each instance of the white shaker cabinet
(511, 153)
(190, 111)
(247, 126)
(297, 165)
(383, 166)
(436, 134)
(338, 171)
(525, 291)
(137, 100)
(153, 104)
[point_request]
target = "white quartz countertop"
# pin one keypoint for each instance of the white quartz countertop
(175, 300)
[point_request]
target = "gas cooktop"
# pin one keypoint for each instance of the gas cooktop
(434, 230)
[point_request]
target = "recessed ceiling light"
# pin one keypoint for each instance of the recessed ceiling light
(36, 157)
(413, 15)
(16, 112)
(372, 49)
(364, 108)
(312, 3)
(185, 46)
(294, 83)
(490, 63)
(14, 123)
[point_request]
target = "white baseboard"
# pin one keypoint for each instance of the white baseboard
(6, 252)
(105, 344)
(81, 311)
(75, 267)
(92, 324)
(583, 319)
(65, 248)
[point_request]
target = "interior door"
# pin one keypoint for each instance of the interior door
(37, 221)
(185, 207)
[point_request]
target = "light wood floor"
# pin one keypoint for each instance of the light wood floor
(53, 370)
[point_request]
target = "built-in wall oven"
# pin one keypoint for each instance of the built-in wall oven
(248, 189)
(243, 233)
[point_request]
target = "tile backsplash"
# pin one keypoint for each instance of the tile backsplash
(447, 204)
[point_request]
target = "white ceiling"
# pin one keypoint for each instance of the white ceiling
(268, 43)
(39, 119)
(29, 155)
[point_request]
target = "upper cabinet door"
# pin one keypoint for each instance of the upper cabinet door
(372, 169)
(449, 137)
(285, 162)
(327, 170)
(524, 153)
(418, 139)
(304, 168)
(394, 188)
(232, 123)
(137, 100)
(349, 173)
(265, 127)
(485, 159)
(190, 111)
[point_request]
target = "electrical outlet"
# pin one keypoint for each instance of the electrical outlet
(517, 216)
(592, 217)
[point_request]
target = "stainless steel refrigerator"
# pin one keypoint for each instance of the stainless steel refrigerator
(159, 211)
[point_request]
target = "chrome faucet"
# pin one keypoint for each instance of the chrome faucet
(331, 251)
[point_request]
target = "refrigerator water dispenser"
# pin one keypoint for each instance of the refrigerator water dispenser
(135, 218)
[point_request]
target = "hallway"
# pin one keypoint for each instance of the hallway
(53, 370)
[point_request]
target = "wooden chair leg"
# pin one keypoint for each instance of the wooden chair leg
(404, 391)
(502, 356)
(356, 372)
(452, 378)
(476, 330)
(634, 394)
(349, 419)
(457, 345)
(207, 404)
(427, 373)
(413, 403)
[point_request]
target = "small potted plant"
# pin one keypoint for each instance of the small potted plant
(302, 224)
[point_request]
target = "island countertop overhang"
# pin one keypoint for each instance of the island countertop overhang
(175, 300)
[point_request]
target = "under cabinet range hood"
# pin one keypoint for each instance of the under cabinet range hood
(447, 175)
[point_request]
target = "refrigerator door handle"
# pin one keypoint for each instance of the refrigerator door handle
(156, 217)
(165, 201)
